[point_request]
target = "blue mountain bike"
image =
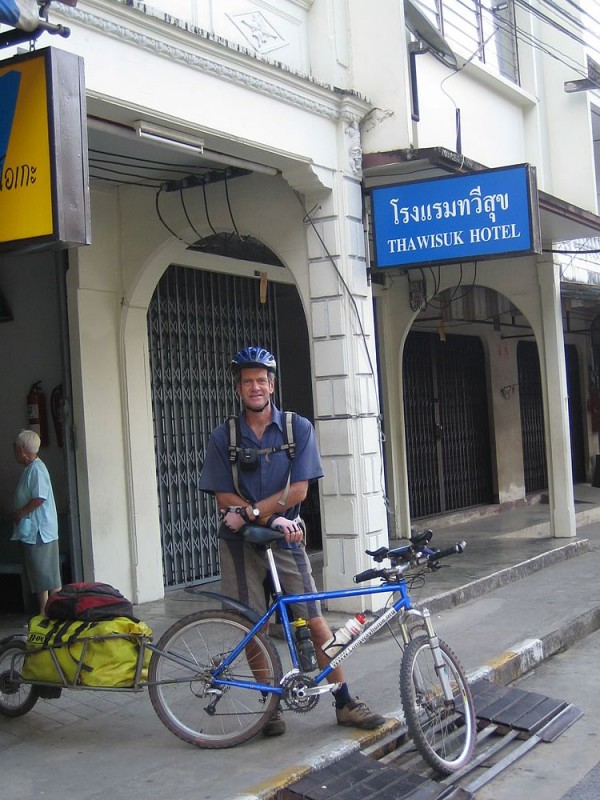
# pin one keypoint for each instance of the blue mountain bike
(216, 677)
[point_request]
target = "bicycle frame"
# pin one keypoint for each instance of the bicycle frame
(281, 603)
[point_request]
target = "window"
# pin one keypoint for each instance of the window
(483, 29)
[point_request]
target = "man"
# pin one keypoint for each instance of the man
(265, 485)
(36, 520)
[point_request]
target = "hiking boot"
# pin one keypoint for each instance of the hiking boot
(356, 714)
(276, 725)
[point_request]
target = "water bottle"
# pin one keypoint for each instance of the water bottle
(350, 630)
(304, 646)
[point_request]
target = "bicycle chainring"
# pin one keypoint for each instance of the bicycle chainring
(294, 694)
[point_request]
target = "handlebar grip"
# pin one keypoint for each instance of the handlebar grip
(449, 551)
(368, 575)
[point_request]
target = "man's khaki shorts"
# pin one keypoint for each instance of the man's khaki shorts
(244, 570)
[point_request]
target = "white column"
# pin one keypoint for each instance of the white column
(554, 389)
(346, 406)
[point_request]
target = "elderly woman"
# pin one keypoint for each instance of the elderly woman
(36, 522)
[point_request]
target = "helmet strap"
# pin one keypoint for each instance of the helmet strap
(257, 410)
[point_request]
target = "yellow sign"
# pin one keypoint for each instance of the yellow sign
(26, 202)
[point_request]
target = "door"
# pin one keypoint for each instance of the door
(532, 418)
(447, 427)
(196, 321)
(576, 425)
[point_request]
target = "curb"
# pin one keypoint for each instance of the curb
(506, 668)
(269, 790)
(530, 653)
(481, 586)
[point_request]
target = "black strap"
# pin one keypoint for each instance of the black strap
(289, 445)
(57, 630)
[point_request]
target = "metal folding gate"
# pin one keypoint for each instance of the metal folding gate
(532, 417)
(446, 420)
(576, 423)
(196, 321)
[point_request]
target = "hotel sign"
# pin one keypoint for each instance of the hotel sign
(487, 214)
(44, 184)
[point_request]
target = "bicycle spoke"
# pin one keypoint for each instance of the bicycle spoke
(443, 730)
(192, 704)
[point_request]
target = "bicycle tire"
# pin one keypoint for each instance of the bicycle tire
(16, 698)
(201, 640)
(444, 735)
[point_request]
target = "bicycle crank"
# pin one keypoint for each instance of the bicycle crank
(300, 693)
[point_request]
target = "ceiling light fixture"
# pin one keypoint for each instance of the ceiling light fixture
(181, 141)
(166, 136)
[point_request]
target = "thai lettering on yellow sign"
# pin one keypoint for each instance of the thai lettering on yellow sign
(26, 201)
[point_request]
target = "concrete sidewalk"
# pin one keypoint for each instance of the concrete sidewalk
(512, 599)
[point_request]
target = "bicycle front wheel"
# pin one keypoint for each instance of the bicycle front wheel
(442, 730)
(16, 698)
(182, 690)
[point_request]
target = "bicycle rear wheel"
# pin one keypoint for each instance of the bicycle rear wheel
(443, 731)
(181, 687)
(16, 698)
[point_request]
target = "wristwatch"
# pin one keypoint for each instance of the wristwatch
(246, 517)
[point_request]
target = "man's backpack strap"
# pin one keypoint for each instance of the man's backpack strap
(289, 446)
(289, 434)
(233, 423)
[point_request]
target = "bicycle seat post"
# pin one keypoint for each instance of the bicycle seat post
(273, 571)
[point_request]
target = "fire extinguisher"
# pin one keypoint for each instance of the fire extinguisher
(37, 419)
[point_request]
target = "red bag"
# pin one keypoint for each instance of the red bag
(89, 602)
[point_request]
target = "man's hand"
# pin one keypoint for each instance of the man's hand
(293, 531)
(233, 521)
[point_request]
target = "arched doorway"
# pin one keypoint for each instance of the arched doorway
(196, 320)
(447, 427)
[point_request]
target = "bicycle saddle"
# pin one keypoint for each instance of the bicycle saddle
(258, 534)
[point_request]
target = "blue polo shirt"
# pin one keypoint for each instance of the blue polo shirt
(271, 473)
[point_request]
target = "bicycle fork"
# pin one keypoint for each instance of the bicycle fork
(436, 652)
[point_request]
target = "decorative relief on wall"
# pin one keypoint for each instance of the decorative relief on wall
(258, 31)
(207, 65)
(354, 147)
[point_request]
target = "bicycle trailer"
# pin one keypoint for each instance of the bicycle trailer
(76, 653)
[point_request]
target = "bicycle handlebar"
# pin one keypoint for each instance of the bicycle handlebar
(369, 575)
(412, 558)
(449, 551)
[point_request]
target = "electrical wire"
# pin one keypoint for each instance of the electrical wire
(162, 220)
(510, 27)
(210, 225)
(121, 182)
(229, 206)
(187, 216)
(308, 219)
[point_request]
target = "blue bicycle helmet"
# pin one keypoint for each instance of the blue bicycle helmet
(253, 357)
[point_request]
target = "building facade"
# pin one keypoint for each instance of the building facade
(232, 147)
